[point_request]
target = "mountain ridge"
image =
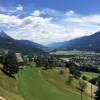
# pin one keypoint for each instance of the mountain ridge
(8, 43)
(86, 43)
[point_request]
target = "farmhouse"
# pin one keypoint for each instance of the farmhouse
(19, 58)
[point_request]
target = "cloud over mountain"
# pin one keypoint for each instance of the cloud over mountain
(57, 26)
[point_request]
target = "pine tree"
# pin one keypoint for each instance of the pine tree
(11, 63)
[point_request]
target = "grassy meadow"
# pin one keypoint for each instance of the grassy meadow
(39, 84)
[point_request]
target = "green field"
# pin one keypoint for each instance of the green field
(90, 75)
(69, 52)
(39, 84)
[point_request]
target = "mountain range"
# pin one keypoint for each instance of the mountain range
(23, 46)
(86, 43)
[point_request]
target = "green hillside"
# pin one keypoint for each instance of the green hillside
(39, 84)
(8, 87)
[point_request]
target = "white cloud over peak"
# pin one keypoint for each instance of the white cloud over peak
(45, 30)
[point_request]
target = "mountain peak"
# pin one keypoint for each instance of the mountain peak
(3, 34)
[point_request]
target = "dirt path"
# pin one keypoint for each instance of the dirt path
(1, 98)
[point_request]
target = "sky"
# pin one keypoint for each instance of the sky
(48, 21)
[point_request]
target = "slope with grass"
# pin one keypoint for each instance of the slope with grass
(8, 88)
(39, 84)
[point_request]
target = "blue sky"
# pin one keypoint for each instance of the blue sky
(47, 21)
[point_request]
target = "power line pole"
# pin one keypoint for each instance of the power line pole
(81, 94)
(91, 91)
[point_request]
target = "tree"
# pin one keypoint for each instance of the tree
(51, 62)
(97, 94)
(75, 71)
(26, 61)
(81, 86)
(11, 63)
(70, 79)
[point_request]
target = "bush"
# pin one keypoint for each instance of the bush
(61, 72)
(70, 79)
(84, 78)
(82, 85)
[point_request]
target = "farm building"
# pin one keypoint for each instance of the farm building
(19, 58)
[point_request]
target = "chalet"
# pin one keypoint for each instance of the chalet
(19, 58)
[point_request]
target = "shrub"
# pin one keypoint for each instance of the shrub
(84, 78)
(61, 72)
(82, 85)
(70, 79)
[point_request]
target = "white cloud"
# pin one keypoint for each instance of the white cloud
(44, 30)
(5, 10)
(19, 8)
(11, 10)
(36, 13)
(9, 21)
(91, 19)
(69, 13)
(51, 12)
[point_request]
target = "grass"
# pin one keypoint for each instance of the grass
(39, 84)
(90, 75)
(0, 65)
(35, 84)
(8, 87)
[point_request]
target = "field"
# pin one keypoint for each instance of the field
(90, 75)
(39, 84)
(69, 52)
